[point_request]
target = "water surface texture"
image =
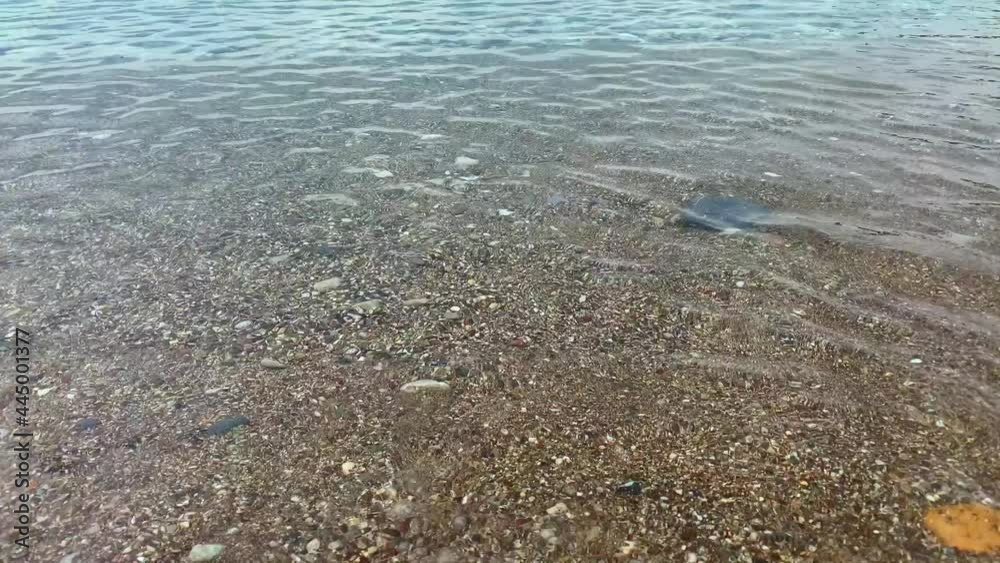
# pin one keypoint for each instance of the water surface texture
(898, 97)
(291, 264)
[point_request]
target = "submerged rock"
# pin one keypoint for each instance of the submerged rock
(88, 423)
(464, 162)
(338, 199)
(425, 385)
(724, 214)
(402, 510)
(557, 509)
(227, 424)
(327, 285)
(629, 488)
(275, 260)
(206, 552)
(369, 307)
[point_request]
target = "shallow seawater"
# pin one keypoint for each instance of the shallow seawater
(848, 117)
(852, 97)
(240, 229)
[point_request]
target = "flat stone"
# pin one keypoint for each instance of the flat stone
(400, 189)
(272, 364)
(326, 285)
(226, 425)
(369, 307)
(557, 509)
(71, 558)
(339, 199)
(206, 552)
(377, 159)
(448, 555)
(402, 510)
(421, 385)
(629, 488)
(88, 423)
(313, 546)
(382, 174)
(418, 302)
(275, 260)
(556, 199)
(243, 325)
(724, 214)
(464, 162)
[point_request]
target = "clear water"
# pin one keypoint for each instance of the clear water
(126, 128)
(894, 95)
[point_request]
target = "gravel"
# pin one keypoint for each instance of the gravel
(784, 423)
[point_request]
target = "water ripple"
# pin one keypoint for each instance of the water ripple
(846, 97)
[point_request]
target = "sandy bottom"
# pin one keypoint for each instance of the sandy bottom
(618, 385)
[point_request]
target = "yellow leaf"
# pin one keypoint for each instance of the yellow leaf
(969, 527)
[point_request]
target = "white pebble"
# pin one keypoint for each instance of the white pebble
(347, 467)
(557, 509)
(464, 162)
(424, 385)
(206, 552)
(740, 284)
(313, 546)
(916, 361)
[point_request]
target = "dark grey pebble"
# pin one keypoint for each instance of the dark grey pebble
(629, 488)
(724, 213)
(556, 199)
(227, 424)
(88, 423)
